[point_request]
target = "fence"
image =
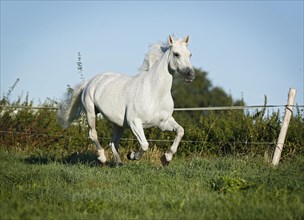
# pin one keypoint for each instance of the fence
(34, 109)
(218, 108)
(223, 129)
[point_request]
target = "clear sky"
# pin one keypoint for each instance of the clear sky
(249, 48)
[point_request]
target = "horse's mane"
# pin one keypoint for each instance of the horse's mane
(155, 53)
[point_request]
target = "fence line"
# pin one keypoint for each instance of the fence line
(149, 140)
(234, 107)
(218, 108)
(152, 140)
(29, 107)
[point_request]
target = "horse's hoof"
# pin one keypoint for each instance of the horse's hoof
(131, 155)
(164, 160)
(119, 164)
(134, 155)
(100, 164)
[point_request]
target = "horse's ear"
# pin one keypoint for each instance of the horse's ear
(187, 39)
(170, 40)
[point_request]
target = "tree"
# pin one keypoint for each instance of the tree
(199, 93)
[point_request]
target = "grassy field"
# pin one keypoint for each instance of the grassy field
(190, 188)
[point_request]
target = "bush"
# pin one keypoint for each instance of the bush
(214, 133)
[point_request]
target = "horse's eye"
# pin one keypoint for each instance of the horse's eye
(190, 54)
(176, 54)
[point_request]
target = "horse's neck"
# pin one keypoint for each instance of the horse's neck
(159, 76)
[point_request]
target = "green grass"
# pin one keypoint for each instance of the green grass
(190, 188)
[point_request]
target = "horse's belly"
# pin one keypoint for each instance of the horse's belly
(112, 112)
(114, 118)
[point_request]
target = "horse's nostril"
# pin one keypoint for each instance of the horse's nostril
(189, 73)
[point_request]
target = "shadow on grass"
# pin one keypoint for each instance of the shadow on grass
(39, 159)
(86, 158)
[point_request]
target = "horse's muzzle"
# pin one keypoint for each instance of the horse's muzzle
(188, 74)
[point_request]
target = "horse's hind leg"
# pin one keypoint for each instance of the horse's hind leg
(91, 119)
(117, 133)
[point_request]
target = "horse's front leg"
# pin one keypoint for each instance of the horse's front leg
(171, 125)
(137, 129)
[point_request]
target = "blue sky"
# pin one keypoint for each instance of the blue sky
(247, 47)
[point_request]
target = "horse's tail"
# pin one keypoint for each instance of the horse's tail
(71, 107)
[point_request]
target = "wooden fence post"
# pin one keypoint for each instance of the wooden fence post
(283, 132)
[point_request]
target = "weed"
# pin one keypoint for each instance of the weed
(230, 184)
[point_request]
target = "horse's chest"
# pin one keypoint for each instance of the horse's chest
(156, 113)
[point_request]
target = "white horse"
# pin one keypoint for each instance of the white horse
(140, 101)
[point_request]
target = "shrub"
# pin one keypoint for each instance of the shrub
(215, 133)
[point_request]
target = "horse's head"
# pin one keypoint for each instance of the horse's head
(179, 58)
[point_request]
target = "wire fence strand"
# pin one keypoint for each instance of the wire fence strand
(134, 139)
(216, 108)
